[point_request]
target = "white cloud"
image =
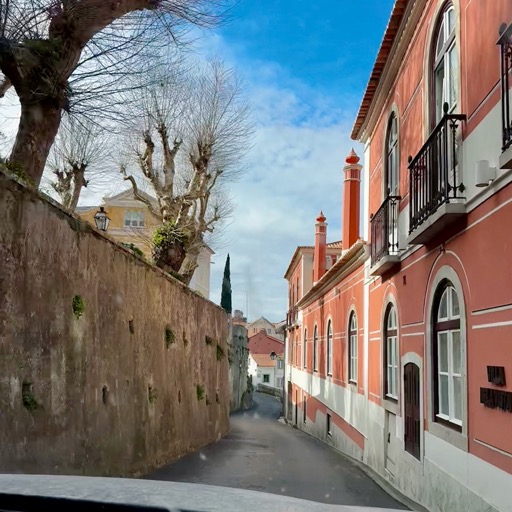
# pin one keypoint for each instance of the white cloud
(295, 170)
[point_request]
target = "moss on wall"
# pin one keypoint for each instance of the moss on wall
(89, 364)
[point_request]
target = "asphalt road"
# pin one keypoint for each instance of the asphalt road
(262, 454)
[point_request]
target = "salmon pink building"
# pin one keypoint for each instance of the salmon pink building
(400, 353)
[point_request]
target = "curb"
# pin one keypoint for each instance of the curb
(381, 482)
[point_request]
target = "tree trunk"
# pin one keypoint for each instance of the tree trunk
(188, 266)
(169, 257)
(78, 183)
(39, 123)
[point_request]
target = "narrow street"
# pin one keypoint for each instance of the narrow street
(265, 455)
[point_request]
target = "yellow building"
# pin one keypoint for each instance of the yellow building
(132, 223)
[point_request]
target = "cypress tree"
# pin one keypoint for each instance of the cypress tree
(225, 299)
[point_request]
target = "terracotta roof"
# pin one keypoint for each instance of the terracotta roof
(263, 360)
(262, 343)
(331, 245)
(379, 65)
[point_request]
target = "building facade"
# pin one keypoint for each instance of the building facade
(131, 223)
(266, 370)
(263, 324)
(427, 310)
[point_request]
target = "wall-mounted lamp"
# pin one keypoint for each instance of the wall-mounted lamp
(101, 219)
(484, 173)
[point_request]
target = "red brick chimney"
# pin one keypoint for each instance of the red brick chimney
(351, 200)
(319, 259)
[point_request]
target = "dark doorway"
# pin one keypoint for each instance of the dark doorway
(412, 409)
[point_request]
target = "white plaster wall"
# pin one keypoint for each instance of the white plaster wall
(347, 403)
(484, 143)
(338, 440)
(200, 281)
(253, 368)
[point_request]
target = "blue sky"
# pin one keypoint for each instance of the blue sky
(306, 65)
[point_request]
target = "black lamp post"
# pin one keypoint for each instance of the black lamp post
(101, 219)
(273, 356)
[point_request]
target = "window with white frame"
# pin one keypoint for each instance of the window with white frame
(329, 348)
(391, 353)
(134, 219)
(352, 349)
(266, 378)
(315, 349)
(305, 349)
(447, 357)
(391, 175)
(445, 65)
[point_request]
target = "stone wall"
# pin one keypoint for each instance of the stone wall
(107, 365)
(241, 396)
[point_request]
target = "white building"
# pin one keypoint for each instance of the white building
(265, 370)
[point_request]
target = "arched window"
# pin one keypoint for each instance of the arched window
(315, 349)
(305, 350)
(444, 72)
(329, 348)
(391, 182)
(352, 348)
(447, 357)
(391, 353)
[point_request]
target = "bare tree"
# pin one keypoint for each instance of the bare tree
(196, 132)
(78, 156)
(65, 54)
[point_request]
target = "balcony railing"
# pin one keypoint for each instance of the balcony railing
(505, 43)
(384, 229)
(292, 316)
(434, 175)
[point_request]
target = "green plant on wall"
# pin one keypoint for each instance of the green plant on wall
(208, 401)
(19, 172)
(185, 340)
(209, 340)
(200, 391)
(170, 337)
(28, 398)
(78, 306)
(135, 250)
(220, 352)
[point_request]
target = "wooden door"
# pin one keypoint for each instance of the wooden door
(412, 409)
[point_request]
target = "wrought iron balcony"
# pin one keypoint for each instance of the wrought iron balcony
(384, 236)
(435, 185)
(292, 317)
(505, 43)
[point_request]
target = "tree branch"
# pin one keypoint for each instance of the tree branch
(169, 156)
(137, 194)
(5, 85)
